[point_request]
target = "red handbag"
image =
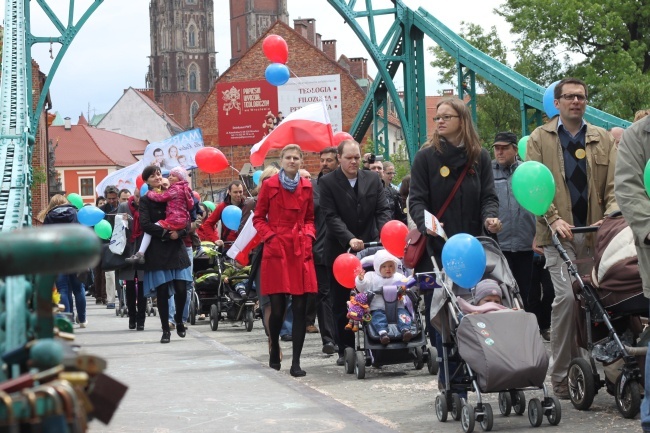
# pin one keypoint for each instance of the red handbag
(416, 241)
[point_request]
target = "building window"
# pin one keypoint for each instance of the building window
(193, 74)
(192, 36)
(193, 109)
(87, 186)
(238, 39)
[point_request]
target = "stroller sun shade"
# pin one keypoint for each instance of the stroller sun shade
(504, 349)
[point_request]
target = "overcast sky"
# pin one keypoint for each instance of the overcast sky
(110, 52)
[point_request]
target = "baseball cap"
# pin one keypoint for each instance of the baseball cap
(505, 137)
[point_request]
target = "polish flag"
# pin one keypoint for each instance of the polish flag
(309, 127)
(246, 241)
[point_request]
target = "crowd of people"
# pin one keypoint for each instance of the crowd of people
(305, 224)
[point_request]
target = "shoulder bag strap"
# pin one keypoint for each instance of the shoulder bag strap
(453, 192)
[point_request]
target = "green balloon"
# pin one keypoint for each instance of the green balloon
(76, 200)
(534, 187)
(521, 147)
(103, 229)
(646, 178)
(210, 205)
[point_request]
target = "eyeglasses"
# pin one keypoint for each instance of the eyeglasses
(572, 96)
(446, 118)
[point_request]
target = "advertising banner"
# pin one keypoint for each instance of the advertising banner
(174, 151)
(299, 92)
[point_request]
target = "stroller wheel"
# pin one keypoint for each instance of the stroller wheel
(214, 316)
(487, 420)
(432, 360)
(535, 412)
(249, 318)
(467, 420)
(192, 312)
(350, 358)
(418, 362)
(518, 402)
(441, 408)
(582, 388)
(553, 410)
(360, 366)
(629, 400)
(505, 403)
(456, 408)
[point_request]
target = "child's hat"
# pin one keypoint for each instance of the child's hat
(486, 288)
(179, 172)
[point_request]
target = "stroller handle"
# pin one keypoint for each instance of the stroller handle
(367, 245)
(588, 229)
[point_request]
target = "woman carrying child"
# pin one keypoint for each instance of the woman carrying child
(385, 274)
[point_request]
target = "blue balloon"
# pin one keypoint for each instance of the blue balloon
(143, 189)
(90, 215)
(549, 101)
(231, 217)
(463, 259)
(277, 74)
(256, 177)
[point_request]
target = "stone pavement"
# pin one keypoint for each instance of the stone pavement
(219, 381)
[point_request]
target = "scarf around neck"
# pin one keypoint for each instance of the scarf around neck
(287, 183)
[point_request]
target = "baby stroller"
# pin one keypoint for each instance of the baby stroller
(501, 351)
(369, 350)
(220, 289)
(608, 306)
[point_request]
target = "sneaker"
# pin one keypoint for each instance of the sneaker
(135, 258)
(84, 324)
(406, 336)
(546, 334)
(340, 361)
(561, 389)
(311, 329)
(384, 338)
(110, 306)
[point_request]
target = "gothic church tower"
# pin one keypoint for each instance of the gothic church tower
(182, 67)
(249, 19)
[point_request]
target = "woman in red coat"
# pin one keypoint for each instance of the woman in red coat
(284, 218)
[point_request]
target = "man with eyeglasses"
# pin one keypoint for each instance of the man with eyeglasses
(581, 158)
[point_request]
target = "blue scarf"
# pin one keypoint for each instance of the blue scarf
(289, 184)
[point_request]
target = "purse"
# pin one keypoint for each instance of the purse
(114, 262)
(416, 241)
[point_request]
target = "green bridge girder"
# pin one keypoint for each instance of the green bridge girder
(402, 45)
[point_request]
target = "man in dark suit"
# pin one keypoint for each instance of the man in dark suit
(355, 209)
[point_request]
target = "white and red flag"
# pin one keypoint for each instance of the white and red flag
(309, 127)
(246, 241)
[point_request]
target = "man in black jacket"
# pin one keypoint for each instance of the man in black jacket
(323, 302)
(353, 203)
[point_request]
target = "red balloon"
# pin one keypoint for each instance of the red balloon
(275, 49)
(340, 136)
(211, 160)
(393, 237)
(346, 268)
(196, 195)
(139, 182)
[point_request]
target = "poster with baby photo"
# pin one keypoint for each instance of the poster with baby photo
(175, 151)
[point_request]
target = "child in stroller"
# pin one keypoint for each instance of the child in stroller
(385, 274)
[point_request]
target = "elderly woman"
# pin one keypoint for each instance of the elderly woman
(284, 218)
(452, 178)
(167, 265)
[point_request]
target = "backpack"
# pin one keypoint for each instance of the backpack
(63, 214)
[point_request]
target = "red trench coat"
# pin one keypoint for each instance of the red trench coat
(285, 222)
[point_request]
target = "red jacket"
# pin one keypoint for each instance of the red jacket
(285, 222)
(208, 228)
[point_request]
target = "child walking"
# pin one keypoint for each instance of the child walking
(177, 215)
(385, 274)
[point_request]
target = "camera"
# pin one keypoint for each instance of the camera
(372, 158)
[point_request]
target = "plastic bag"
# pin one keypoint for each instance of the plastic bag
(118, 237)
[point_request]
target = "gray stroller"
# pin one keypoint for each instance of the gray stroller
(499, 351)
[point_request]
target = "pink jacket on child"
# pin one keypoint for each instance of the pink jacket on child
(179, 203)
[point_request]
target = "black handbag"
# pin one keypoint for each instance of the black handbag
(112, 261)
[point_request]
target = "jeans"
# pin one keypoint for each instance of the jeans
(645, 403)
(69, 285)
(287, 325)
(380, 322)
(186, 309)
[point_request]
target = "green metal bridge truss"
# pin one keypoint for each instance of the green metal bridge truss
(403, 45)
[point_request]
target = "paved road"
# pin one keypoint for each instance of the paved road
(220, 382)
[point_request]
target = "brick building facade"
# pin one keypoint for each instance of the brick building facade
(305, 59)
(39, 188)
(249, 20)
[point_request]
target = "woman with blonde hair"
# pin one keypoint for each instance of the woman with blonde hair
(452, 178)
(56, 200)
(284, 219)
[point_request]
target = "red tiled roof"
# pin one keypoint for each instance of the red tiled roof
(86, 146)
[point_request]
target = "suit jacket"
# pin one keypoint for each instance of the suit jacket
(351, 215)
